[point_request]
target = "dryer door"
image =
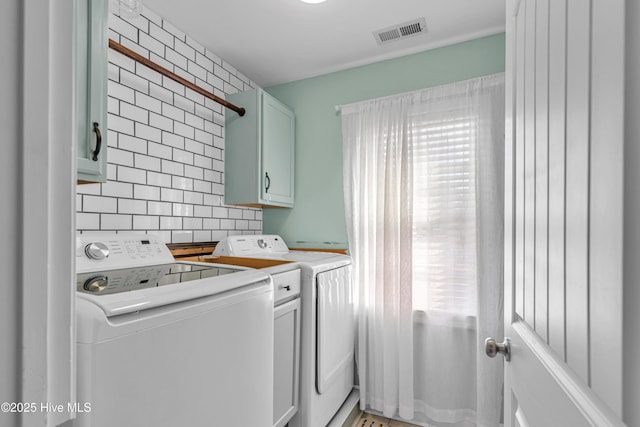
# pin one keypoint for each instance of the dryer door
(336, 326)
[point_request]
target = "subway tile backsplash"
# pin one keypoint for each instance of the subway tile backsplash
(166, 142)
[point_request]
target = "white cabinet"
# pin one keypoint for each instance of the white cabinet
(259, 151)
(91, 88)
(286, 362)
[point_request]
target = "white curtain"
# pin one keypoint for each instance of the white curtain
(423, 183)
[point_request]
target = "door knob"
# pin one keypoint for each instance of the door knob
(492, 348)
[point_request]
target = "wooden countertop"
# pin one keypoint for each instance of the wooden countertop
(201, 251)
(241, 261)
(191, 251)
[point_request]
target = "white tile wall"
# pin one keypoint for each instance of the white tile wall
(166, 142)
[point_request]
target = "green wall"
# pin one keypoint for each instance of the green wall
(318, 213)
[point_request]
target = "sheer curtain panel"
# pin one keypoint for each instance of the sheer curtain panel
(423, 184)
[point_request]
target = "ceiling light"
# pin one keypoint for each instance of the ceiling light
(313, 1)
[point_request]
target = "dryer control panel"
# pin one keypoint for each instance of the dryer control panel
(255, 245)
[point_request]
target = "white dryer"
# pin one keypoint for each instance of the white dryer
(328, 324)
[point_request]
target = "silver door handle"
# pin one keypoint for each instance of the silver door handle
(492, 348)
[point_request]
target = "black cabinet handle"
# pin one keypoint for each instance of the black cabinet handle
(96, 129)
(267, 182)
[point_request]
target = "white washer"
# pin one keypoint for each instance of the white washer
(164, 343)
(328, 323)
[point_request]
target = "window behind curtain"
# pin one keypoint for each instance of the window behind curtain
(444, 227)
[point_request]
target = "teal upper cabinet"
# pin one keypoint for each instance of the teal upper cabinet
(259, 151)
(91, 88)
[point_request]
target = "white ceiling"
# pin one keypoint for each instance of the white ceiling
(278, 41)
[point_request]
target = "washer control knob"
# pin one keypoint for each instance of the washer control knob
(96, 251)
(262, 243)
(96, 283)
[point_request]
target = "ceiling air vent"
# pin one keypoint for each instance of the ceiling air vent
(401, 31)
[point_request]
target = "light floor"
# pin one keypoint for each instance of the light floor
(368, 420)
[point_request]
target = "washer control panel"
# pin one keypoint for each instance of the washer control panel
(97, 251)
(257, 245)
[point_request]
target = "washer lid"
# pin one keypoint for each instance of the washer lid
(130, 279)
(122, 302)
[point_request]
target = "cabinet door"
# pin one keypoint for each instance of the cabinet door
(91, 88)
(278, 127)
(286, 362)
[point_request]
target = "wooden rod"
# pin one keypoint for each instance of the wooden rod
(139, 58)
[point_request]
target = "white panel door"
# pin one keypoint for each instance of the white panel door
(563, 190)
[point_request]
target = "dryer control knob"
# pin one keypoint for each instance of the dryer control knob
(96, 251)
(96, 283)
